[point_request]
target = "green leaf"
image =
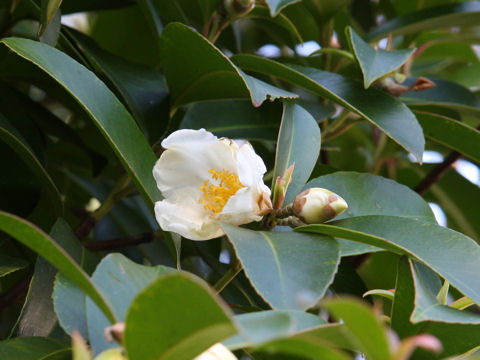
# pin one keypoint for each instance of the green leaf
(364, 327)
(48, 11)
(445, 94)
(368, 194)
(10, 264)
(451, 133)
(299, 144)
(197, 71)
(98, 102)
(375, 63)
(31, 348)
(69, 302)
(142, 89)
(120, 280)
(264, 326)
(235, 119)
(428, 308)
(305, 348)
(175, 318)
(387, 113)
(152, 17)
(262, 13)
(276, 6)
(290, 272)
(460, 14)
(13, 138)
(34, 238)
(380, 292)
(401, 234)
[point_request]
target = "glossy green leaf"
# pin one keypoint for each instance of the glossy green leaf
(375, 63)
(153, 19)
(401, 234)
(364, 327)
(451, 133)
(460, 14)
(175, 318)
(99, 104)
(31, 348)
(12, 137)
(262, 13)
(380, 292)
(290, 272)
(428, 308)
(120, 280)
(235, 119)
(304, 349)
(445, 94)
(10, 264)
(276, 6)
(387, 113)
(47, 11)
(298, 144)
(142, 89)
(69, 301)
(368, 194)
(197, 71)
(264, 326)
(34, 238)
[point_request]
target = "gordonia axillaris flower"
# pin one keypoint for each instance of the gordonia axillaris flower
(206, 180)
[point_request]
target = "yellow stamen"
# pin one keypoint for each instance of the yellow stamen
(216, 196)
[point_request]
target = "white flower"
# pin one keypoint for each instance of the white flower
(205, 180)
(216, 352)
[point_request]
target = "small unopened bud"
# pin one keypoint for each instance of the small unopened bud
(281, 186)
(115, 332)
(317, 205)
(237, 8)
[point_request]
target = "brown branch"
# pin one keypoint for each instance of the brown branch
(120, 242)
(436, 173)
(85, 227)
(15, 292)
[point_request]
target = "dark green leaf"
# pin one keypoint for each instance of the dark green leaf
(261, 327)
(368, 194)
(276, 6)
(262, 13)
(197, 71)
(175, 318)
(44, 245)
(142, 89)
(460, 14)
(120, 280)
(9, 264)
(100, 105)
(235, 119)
(451, 133)
(30, 348)
(11, 136)
(48, 10)
(298, 144)
(363, 326)
(289, 272)
(388, 114)
(445, 94)
(375, 63)
(401, 235)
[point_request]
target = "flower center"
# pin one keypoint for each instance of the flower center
(216, 196)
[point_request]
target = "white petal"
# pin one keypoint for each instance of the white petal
(250, 166)
(216, 352)
(187, 222)
(186, 164)
(188, 136)
(241, 208)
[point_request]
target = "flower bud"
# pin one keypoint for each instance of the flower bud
(317, 205)
(237, 8)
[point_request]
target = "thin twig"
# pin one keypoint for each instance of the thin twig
(120, 242)
(436, 173)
